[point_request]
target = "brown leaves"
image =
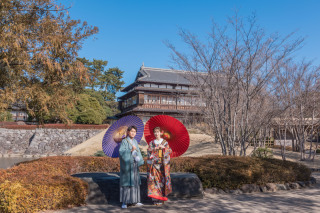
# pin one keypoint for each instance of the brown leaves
(38, 50)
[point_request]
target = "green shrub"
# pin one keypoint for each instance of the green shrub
(87, 111)
(228, 172)
(47, 183)
(5, 116)
(262, 152)
(99, 154)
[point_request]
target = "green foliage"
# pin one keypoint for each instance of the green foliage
(87, 111)
(110, 82)
(262, 152)
(99, 154)
(5, 116)
(110, 107)
(107, 82)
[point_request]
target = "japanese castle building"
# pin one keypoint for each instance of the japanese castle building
(158, 91)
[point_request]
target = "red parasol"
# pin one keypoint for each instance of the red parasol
(172, 130)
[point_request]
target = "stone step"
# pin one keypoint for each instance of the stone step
(104, 187)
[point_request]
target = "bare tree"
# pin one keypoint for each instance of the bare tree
(297, 91)
(232, 73)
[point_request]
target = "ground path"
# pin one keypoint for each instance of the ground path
(300, 200)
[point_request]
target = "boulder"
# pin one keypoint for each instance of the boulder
(211, 190)
(281, 187)
(301, 183)
(221, 191)
(287, 186)
(263, 189)
(313, 180)
(308, 183)
(294, 186)
(271, 187)
(104, 187)
(185, 185)
(235, 192)
(249, 188)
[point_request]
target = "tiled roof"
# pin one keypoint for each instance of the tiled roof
(157, 75)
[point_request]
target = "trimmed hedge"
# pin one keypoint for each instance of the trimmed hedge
(229, 172)
(56, 126)
(46, 183)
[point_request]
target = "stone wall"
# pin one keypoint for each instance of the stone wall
(40, 142)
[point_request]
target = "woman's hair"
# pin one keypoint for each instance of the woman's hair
(131, 127)
(157, 128)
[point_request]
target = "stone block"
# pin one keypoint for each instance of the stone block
(220, 191)
(313, 180)
(287, 185)
(263, 189)
(211, 190)
(104, 187)
(308, 183)
(301, 183)
(249, 188)
(294, 186)
(281, 187)
(236, 192)
(271, 187)
(186, 185)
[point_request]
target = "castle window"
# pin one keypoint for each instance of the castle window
(154, 85)
(164, 100)
(146, 99)
(171, 100)
(184, 87)
(188, 101)
(155, 99)
(181, 101)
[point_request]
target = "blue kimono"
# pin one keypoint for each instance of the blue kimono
(129, 172)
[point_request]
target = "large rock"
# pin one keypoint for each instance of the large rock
(249, 188)
(104, 187)
(272, 187)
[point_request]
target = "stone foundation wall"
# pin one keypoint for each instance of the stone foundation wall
(42, 141)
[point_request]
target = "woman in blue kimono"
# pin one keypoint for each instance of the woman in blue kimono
(130, 161)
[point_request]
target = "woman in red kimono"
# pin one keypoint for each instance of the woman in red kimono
(159, 181)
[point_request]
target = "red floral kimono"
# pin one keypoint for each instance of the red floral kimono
(159, 181)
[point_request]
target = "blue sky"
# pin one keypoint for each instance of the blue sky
(132, 31)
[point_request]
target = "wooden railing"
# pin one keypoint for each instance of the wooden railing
(168, 106)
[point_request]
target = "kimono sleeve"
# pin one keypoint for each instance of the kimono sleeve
(141, 161)
(167, 152)
(125, 156)
(150, 152)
